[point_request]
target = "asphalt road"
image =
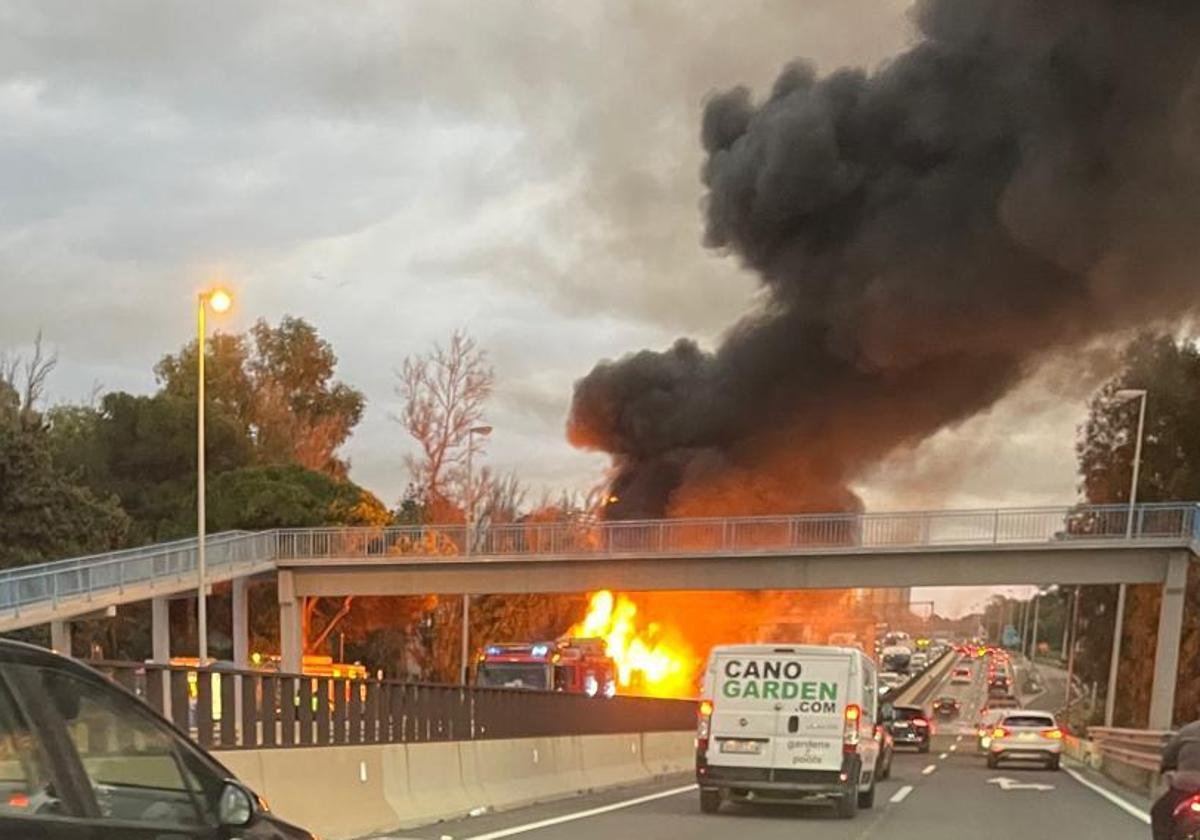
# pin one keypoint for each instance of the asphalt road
(947, 794)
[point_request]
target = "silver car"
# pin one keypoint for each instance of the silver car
(1023, 734)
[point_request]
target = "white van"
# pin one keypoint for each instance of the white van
(788, 723)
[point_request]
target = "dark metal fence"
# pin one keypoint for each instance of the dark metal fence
(228, 709)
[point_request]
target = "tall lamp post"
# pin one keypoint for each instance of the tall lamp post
(1110, 699)
(483, 431)
(219, 301)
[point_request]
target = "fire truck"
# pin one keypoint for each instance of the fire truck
(572, 666)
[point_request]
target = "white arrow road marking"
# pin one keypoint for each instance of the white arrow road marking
(901, 795)
(1006, 783)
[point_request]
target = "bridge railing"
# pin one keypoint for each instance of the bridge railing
(749, 535)
(1133, 747)
(224, 708)
(87, 577)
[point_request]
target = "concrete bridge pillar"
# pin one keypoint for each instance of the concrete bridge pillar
(291, 624)
(160, 629)
(1170, 634)
(241, 624)
(60, 637)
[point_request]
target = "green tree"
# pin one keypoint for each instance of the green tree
(44, 515)
(1169, 371)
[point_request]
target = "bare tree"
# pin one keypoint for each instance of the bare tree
(444, 393)
(26, 378)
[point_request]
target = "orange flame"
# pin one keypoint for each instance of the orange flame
(650, 660)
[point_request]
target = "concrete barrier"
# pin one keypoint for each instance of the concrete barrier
(349, 791)
(612, 760)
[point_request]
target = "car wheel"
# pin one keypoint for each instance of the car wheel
(710, 801)
(1054, 763)
(866, 798)
(847, 806)
(993, 762)
(886, 772)
(924, 747)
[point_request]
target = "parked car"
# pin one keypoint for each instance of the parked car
(84, 758)
(1026, 735)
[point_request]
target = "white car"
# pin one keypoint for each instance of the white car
(1023, 734)
(960, 676)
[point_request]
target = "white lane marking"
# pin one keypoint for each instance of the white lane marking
(581, 815)
(1132, 810)
(928, 770)
(1006, 783)
(959, 738)
(900, 795)
(954, 747)
(943, 756)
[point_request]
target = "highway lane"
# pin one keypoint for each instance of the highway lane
(947, 794)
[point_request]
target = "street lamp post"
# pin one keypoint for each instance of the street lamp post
(219, 301)
(470, 537)
(1114, 665)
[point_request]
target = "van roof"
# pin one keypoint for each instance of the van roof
(784, 647)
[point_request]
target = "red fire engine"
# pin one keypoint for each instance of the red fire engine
(573, 666)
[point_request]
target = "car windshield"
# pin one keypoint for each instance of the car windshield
(1040, 721)
(514, 675)
(908, 713)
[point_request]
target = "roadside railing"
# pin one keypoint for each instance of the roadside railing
(1134, 747)
(237, 709)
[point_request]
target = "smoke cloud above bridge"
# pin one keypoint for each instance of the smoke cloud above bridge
(1022, 181)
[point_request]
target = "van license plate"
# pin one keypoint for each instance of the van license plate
(745, 747)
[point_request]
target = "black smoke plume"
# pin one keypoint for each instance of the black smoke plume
(1024, 179)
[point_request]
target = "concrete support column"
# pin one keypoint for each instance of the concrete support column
(60, 637)
(241, 624)
(291, 624)
(1170, 634)
(160, 629)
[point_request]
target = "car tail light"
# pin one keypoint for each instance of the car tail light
(1000, 732)
(703, 724)
(1054, 734)
(920, 723)
(879, 733)
(1189, 807)
(850, 736)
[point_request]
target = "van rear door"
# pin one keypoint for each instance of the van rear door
(744, 728)
(812, 721)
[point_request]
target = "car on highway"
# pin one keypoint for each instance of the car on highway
(910, 727)
(788, 724)
(947, 707)
(999, 686)
(892, 680)
(961, 675)
(1025, 735)
(918, 661)
(83, 758)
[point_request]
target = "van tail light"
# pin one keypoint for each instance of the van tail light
(850, 731)
(703, 724)
(1000, 732)
(1054, 734)
(1189, 808)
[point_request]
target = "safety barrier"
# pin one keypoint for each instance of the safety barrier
(1131, 757)
(351, 791)
(238, 709)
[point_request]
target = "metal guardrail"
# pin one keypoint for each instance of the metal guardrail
(88, 577)
(1135, 747)
(231, 709)
(752, 535)
(44, 585)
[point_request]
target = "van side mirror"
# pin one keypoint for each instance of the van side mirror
(236, 807)
(887, 713)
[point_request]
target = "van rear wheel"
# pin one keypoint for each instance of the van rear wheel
(866, 798)
(847, 806)
(710, 801)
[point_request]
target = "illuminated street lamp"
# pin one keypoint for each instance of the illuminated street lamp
(219, 301)
(482, 431)
(1110, 699)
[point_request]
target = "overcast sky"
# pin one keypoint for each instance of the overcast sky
(393, 171)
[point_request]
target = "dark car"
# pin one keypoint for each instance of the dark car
(998, 686)
(83, 759)
(887, 748)
(946, 707)
(910, 727)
